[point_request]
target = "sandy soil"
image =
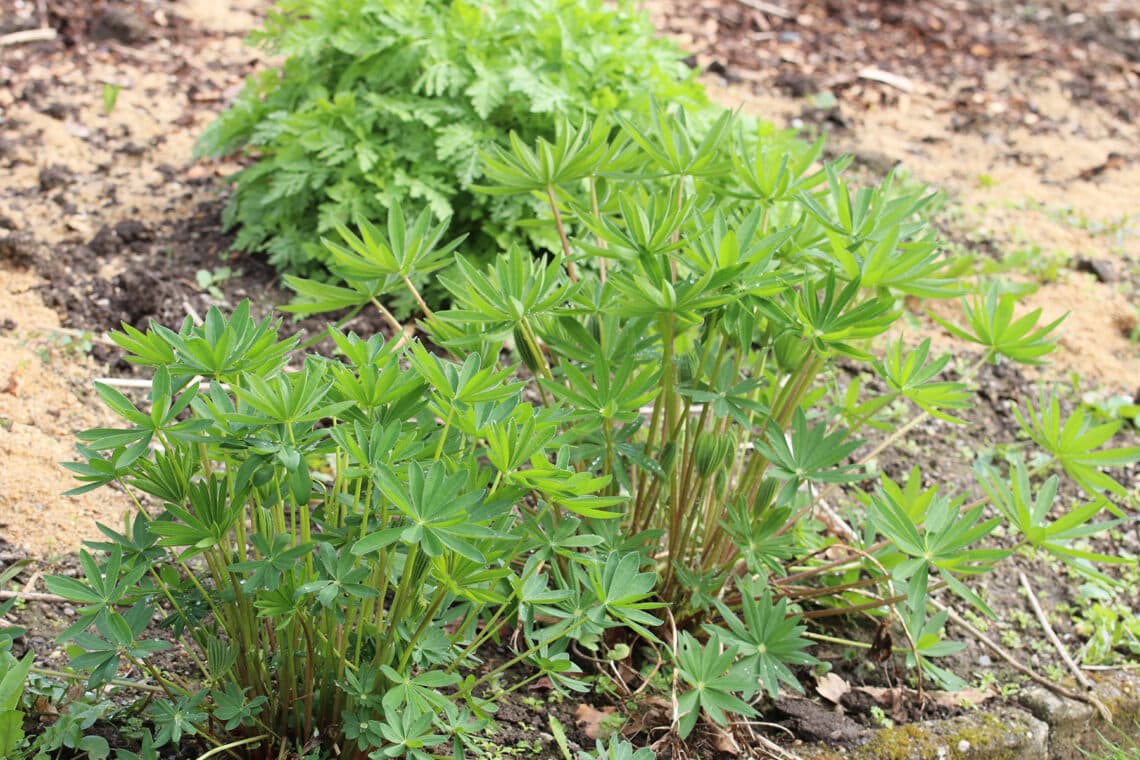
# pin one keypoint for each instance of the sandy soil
(45, 397)
(70, 170)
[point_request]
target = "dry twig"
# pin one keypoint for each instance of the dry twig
(28, 35)
(1082, 679)
(885, 77)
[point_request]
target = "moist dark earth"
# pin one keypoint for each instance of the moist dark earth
(117, 222)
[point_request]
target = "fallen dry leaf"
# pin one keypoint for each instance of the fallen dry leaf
(832, 688)
(590, 720)
(726, 742)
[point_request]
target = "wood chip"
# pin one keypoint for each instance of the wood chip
(887, 78)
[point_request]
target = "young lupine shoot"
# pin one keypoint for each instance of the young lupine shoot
(716, 683)
(991, 323)
(1077, 444)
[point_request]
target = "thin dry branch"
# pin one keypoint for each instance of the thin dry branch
(1082, 679)
(28, 35)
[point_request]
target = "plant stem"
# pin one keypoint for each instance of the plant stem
(387, 315)
(601, 243)
(570, 269)
(416, 295)
(65, 676)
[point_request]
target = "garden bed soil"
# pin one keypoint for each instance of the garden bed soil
(1024, 114)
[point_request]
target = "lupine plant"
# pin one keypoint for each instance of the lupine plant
(644, 430)
(333, 542)
(686, 334)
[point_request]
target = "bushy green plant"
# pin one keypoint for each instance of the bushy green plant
(385, 101)
(333, 541)
(664, 411)
(688, 334)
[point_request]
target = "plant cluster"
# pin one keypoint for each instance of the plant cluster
(383, 101)
(691, 329)
(648, 437)
(331, 556)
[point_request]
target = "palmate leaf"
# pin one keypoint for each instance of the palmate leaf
(438, 510)
(911, 376)
(990, 318)
(740, 244)
(714, 680)
(577, 492)
(933, 531)
(401, 251)
(671, 146)
(1075, 443)
(100, 470)
(688, 300)
(575, 154)
(612, 392)
(832, 320)
(645, 229)
(811, 455)
(926, 633)
(101, 589)
(729, 396)
(463, 384)
(205, 523)
(313, 297)
(513, 442)
(625, 591)
(167, 403)
(766, 636)
(515, 287)
(873, 237)
(777, 172)
(1029, 515)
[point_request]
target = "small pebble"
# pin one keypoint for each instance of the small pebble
(985, 661)
(69, 611)
(963, 746)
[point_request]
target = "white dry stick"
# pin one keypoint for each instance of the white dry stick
(28, 35)
(72, 333)
(124, 382)
(1082, 679)
(194, 315)
(31, 596)
(31, 584)
(885, 77)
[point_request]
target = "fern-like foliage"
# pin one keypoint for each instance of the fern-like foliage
(384, 101)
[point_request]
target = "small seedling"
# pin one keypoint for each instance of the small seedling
(110, 96)
(211, 281)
